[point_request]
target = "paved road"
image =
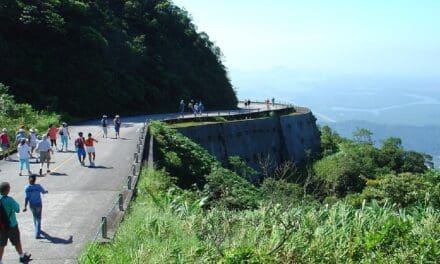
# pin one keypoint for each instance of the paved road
(78, 196)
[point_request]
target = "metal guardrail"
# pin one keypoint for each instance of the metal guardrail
(123, 198)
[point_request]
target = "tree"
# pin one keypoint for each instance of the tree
(363, 135)
(329, 141)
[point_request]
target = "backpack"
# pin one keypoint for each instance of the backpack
(104, 122)
(4, 217)
(79, 143)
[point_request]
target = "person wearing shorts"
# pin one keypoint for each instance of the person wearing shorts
(11, 232)
(91, 149)
(4, 143)
(44, 149)
(80, 150)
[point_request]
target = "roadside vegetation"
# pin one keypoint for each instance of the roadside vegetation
(13, 115)
(358, 203)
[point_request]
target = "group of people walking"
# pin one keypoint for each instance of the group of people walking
(193, 107)
(41, 147)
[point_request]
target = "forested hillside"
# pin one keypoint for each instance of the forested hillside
(89, 57)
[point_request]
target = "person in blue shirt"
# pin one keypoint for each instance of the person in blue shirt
(21, 134)
(11, 232)
(33, 193)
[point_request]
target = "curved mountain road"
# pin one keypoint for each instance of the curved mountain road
(78, 196)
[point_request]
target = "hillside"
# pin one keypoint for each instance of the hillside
(90, 57)
(358, 203)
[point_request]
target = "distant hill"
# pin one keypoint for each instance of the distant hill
(91, 57)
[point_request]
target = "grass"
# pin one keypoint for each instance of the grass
(157, 230)
(191, 124)
(151, 232)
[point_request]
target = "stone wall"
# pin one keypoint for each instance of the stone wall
(256, 141)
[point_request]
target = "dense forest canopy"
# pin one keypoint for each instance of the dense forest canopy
(88, 57)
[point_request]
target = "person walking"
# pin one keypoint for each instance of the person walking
(80, 151)
(4, 143)
(21, 134)
(104, 126)
(33, 193)
(65, 136)
(32, 140)
(24, 153)
(196, 109)
(91, 149)
(44, 149)
(273, 101)
(117, 123)
(201, 108)
(52, 132)
(182, 107)
(9, 227)
(191, 106)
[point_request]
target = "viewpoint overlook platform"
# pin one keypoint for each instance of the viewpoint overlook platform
(78, 195)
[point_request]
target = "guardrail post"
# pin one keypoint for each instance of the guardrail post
(104, 227)
(136, 157)
(129, 182)
(139, 148)
(121, 202)
(133, 169)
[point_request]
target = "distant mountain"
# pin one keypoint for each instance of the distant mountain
(90, 57)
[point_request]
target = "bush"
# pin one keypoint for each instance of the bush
(181, 157)
(13, 115)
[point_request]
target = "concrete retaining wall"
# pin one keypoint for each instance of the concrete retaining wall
(257, 140)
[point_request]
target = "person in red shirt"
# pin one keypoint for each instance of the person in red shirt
(52, 132)
(4, 143)
(80, 150)
(91, 149)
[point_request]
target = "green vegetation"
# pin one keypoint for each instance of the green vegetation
(13, 114)
(127, 56)
(190, 124)
(205, 213)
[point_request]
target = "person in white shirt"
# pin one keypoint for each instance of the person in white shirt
(24, 154)
(44, 148)
(65, 136)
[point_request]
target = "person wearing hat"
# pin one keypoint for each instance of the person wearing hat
(24, 153)
(4, 143)
(80, 148)
(44, 149)
(65, 135)
(32, 140)
(104, 125)
(117, 123)
(20, 135)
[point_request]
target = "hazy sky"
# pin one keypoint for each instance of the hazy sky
(367, 37)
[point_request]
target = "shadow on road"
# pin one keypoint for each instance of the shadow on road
(57, 240)
(68, 151)
(101, 167)
(58, 174)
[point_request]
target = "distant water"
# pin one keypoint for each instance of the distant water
(405, 108)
